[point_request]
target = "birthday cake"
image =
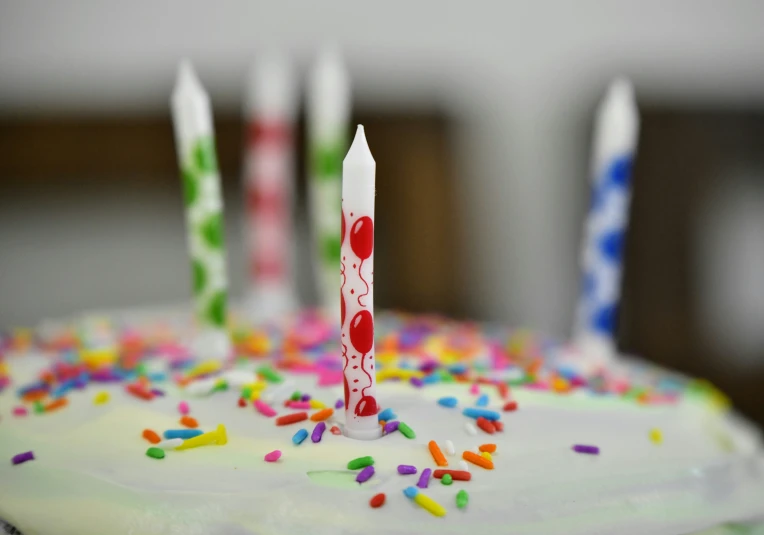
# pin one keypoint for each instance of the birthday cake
(484, 430)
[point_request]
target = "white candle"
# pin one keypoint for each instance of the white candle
(328, 113)
(615, 141)
(194, 138)
(357, 291)
(269, 187)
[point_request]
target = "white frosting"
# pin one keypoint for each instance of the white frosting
(91, 474)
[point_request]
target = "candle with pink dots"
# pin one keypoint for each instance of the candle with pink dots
(357, 291)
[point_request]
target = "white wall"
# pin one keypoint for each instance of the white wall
(519, 77)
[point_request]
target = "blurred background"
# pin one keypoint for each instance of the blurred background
(479, 115)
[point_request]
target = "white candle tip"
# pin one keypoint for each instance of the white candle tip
(187, 83)
(271, 88)
(359, 153)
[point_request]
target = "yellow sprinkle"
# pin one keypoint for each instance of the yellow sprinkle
(386, 357)
(486, 455)
(204, 368)
(315, 404)
(656, 436)
(219, 436)
(559, 384)
(430, 505)
(255, 395)
(96, 358)
(398, 373)
(101, 398)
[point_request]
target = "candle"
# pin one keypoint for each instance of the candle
(195, 144)
(269, 184)
(328, 111)
(615, 140)
(357, 291)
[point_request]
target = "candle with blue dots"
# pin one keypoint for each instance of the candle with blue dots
(615, 141)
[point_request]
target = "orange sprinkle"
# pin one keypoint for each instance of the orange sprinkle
(490, 448)
(188, 421)
(323, 414)
(486, 425)
(382, 423)
(34, 395)
(474, 458)
(138, 391)
(437, 455)
(151, 436)
(57, 404)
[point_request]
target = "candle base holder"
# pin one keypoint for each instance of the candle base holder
(211, 344)
(363, 434)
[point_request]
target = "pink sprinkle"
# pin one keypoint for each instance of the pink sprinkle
(330, 378)
(19, 411)
(265, 409)
(474, 389)
(273, 456)
(537, 386)
(183, 408)
(303, 405)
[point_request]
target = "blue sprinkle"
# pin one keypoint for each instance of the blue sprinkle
(157, 377)
(430, 379)
(477, 413)
(449, 402)
(386, 415)
(410, 492)
(482, 401)
(457, 369)
(299, 436)
(182, 433)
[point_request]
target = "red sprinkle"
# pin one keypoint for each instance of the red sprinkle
(498, 425)
(510, 406)
(456, 475)
(139, 391)
(486, 425)
(292, 418)
(378, 500)
(503, 391)
(242, 402)
(151, 436)
(335, 430)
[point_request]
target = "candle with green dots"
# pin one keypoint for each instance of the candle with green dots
(194, 138)
(328, 114)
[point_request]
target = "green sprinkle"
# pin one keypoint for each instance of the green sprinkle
(246, 392)
(462, 498)
(360, 462)
(296, 395)
(220, 386)
(447, 479)
(39, 408)
(156, 453)
(269, 374)
(406, 430)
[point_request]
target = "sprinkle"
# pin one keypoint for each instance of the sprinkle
(299, 436)
(503, 390)
(365, 474)
(155, 453)
(22, 457)
(339, 404)
(406, 469)
(335, 430)
(510, 406)
(490, 448)
(151, 436)
(386, 415)
(391, 426)
(292, 418)
(463, 466)
(462, 498)
(137, 390)
(269, 374)
(476, 413)
(170, 444)
(323, 414)
(474, 458)
(471, 430)
(474, 389)
(19, 411)
(39, 408)
(486, 455)
(482, 401)
(449, 402)
(455, 475)
(298, 405)
(183, 408)
(424, 479)
(656, 436)
(296, 395)
(406, 430)
(318, 432)
(101, 398)
(264, 409)
(316, 404)
(446, 479)
(182, 433)
(273, 456)
(242, 402)
(219, 436)
(425, 502)
(498, 426)
(417, 382)
(378, 500)
(590, 450)
(189, 422)
(450, 450)
(57, 404)
(486, 425)
(437, 455)
(360, 462)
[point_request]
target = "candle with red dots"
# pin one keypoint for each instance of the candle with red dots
(357, 291)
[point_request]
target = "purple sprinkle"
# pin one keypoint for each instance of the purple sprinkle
(339, 404)
(591, 450)
(365, 474)
(318, 432)
(417, 382)
(391, 426)
(305, 397)
(406, 469)
(22, 457)
(424, 479)
(157, 392)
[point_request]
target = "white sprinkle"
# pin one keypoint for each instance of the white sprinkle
(471, 429)
(464, 466)
(170, 444)
(450, 448)
(201, 387)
